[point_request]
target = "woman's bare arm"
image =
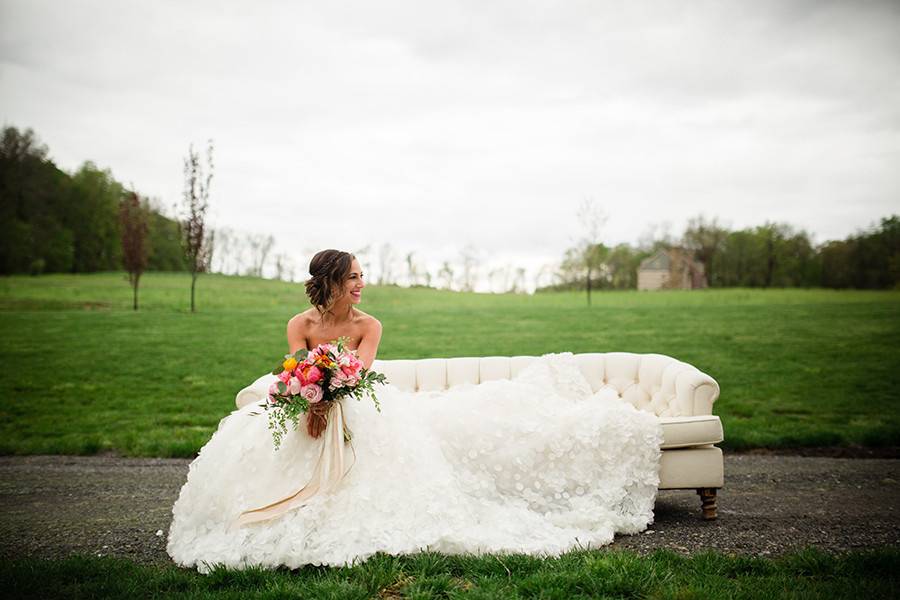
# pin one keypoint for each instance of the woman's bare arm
(296, 335)
(368, 345)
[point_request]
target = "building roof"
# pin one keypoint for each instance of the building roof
(659, 261)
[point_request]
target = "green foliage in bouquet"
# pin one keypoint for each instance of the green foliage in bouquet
(326, 368)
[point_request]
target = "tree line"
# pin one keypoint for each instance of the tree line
(767, 255)
(55, 222)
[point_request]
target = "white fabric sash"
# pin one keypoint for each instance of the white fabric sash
(330, 469)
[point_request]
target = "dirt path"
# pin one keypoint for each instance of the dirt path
(52, 506)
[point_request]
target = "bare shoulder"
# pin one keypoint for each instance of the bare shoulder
(367, 322)
(302, 321)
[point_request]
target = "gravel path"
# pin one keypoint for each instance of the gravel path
(52, 506)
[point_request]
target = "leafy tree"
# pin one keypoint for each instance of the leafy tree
(134, 226)
(704, 238)
(91, 213)
(165, 241)
(837, 263)
(33, 234)
(737, 261)
(866, 260)
(623, 263)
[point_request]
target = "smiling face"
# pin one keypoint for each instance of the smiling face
(353, 283)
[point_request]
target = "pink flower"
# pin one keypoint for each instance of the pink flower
(338, 379)
(294, 386)
(284, 376)
(273, 389)
(342, 379)
(311, 393)
(308, 374)
(349, 364)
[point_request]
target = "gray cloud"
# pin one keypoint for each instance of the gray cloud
(433, 125)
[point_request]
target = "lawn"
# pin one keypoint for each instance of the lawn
(580, 574)
(82, 373)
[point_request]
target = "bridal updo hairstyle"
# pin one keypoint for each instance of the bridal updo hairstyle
(328, 269)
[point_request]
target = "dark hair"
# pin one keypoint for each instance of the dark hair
(328, 269)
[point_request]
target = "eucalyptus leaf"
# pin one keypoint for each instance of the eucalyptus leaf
(282, 388)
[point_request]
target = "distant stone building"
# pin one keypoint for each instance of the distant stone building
(672, 269)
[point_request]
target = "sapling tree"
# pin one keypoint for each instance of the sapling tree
(134, 229)
(196, 239)
(591, 251)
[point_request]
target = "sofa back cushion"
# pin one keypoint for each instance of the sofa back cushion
(647, 381)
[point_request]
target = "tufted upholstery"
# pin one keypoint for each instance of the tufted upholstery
(652, 382)
(679, 394)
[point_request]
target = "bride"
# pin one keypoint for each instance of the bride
(537, 464)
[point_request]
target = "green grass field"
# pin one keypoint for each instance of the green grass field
(82, 373)
(580, 574)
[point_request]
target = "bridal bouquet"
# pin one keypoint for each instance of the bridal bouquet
(309, 381)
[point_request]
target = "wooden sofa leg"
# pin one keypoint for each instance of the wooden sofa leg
(708, 503)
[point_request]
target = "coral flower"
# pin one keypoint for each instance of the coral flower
(324, 361)
(308, 374)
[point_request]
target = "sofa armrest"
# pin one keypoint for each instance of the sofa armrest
(257, 390)
(695, 393)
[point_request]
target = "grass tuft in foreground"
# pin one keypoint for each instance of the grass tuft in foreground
(582, 574)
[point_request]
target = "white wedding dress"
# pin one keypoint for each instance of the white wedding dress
(536, 464)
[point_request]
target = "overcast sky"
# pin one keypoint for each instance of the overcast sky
(432, 125)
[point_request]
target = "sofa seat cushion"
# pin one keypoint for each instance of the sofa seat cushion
(683, 432)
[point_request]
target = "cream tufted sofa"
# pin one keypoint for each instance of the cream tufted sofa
(676, 392)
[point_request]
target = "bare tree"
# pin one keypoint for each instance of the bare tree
(412, 269)
(198, 243)
(385, 264)
(497, 279)
(226, 245)
(592, 219)
(656, 236)
(469, 276)
(259, 245)
(445, 274)
(545, 276)
(134, 222)
(518, 282)
(241, 253)
(284, 267)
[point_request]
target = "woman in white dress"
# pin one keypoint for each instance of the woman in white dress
(536, 464)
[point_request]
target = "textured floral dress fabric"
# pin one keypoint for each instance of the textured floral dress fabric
(537, 464)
